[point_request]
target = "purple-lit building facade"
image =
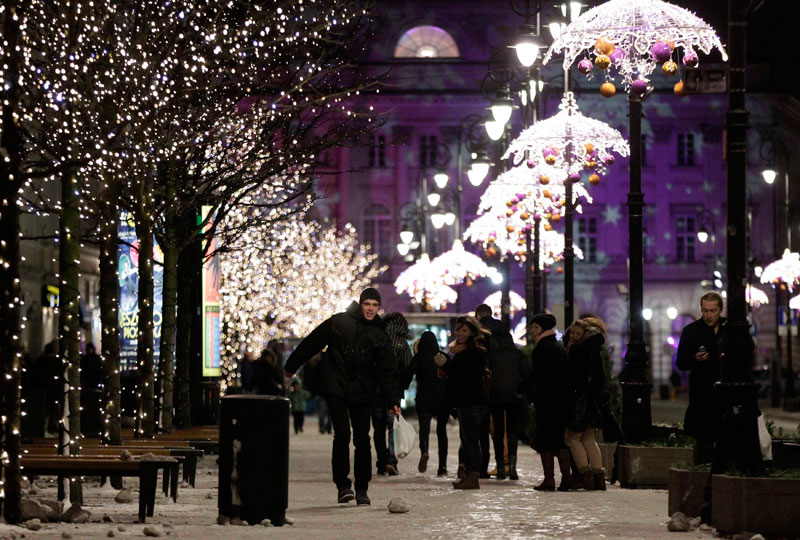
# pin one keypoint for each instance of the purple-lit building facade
(431, 92)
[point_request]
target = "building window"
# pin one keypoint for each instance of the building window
(377, 151)
(428, 153)
(377, 230)
(586, 238)
(685, 149)
(426, 42)
(686, 229)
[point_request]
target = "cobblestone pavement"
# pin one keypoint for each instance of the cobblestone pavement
(500, 509)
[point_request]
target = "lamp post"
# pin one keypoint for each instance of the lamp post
(658, 311)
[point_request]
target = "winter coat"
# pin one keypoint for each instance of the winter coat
(547, 388)
(702, 417)
(298, 398)
(588, 387)
(506, 362)
(431, 389)
(359, 358)
(397, 329)
(267, 375)
(465, 371)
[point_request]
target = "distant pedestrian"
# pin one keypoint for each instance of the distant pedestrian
(589, 399)
(91, 392)
(699, 353)
(50, 375)
(547, 389)
(247, 373)
(268, 374)
(431, 399)
(298, 398)
(360, 357)
(467, 392)
(507, 364)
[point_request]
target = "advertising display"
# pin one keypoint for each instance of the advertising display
(211, 322)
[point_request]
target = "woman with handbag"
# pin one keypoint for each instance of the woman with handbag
(588, 398)
(467, 392)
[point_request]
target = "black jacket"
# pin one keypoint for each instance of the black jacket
(431, 389)
(547, 389)
(465, 371)
(360, 358)
(506, 362)
(589, 393)
(702, 418)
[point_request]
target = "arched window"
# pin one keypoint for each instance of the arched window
(376, 230)
(426, 42)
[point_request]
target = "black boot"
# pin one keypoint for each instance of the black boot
(566, 474)
(549, 482)
(501, 469)
(512, 468)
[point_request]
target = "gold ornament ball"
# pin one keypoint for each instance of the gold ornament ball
(590, 164)
(559, 270)
(491, 252)
(594, 179)
(546, 193)
(509, 213)
(548, 227)
(669, 68)
(556, 218)
(602, 61)
(603, 46)
(509, 204)
(607, 89)
(544, 179)
(589, 147)
(678, 89)
(524, 215)
(510, 228)
(550, 160)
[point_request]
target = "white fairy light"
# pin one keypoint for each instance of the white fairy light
(457, 265)
(517, 303)
(784, 271)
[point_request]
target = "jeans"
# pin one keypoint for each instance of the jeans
(506, 418)
(469, 427)
(584, 449)
(323, 415)
(383, 421)
(343, 414)
(441, 433)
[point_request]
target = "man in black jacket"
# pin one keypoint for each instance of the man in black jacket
(699, 352)
(360, 357)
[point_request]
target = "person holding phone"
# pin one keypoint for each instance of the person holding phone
(699, 353)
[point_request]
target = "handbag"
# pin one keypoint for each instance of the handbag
(764, 439)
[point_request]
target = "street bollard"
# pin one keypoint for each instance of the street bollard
(254, 458)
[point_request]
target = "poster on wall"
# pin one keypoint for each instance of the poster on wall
(211, 326)
(128, 272)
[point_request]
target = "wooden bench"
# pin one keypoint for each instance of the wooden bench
(75, 466)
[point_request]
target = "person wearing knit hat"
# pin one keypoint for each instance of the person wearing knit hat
(545, 320)
(360, 359)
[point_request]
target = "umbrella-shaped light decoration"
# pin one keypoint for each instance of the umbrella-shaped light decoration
(785, 271)
(569, 141)
(755, 296)
(458, 265)
(630, 38)
(420, 281)
(794, 303)
(493, 301)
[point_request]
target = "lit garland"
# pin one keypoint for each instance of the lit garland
(754, 296)
(458, 265)
(784, 272)
(517, 303)
(423, 282)
(630, 38)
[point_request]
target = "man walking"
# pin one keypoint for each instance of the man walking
(699, 353)
(360, 357)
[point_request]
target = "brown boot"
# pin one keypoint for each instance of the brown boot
(599, 479)
(566, 475)
(470, 481)
(549, 482)
(461, 471)
(586, 480)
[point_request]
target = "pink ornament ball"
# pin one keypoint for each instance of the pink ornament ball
(585, 66)
(520, 196)
(660, 51)
(690, 59)
(609, 160)
(617, 55)
(639, 86)
(531, 164)
(549, 151)
(575, 177)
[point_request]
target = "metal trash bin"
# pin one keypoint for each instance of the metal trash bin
(254, 458)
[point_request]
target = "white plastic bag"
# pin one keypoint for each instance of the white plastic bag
(764, 439)
(404, 436)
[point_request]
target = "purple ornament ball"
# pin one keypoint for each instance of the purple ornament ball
(639, 86)
(617, 55)
(690, 59)
(531, 164)
(575, 177)
(520, 196)
(528, 226)
(609, 160)
(660, 51)
(585, 66)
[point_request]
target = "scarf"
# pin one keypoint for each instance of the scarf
(544, 334)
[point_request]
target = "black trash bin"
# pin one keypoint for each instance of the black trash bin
(254, 458)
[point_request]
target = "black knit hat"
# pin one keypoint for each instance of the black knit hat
(370, 293)
(545, 320)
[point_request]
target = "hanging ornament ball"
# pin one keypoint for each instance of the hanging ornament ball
(660, 51)
(602, 61)
(607, 89)
(590, 164)
(491, 252)
(669, 68)
(575, 177)
(509, 203)
(530, 163)
(548, 227)
(594, 179)
(609, 160)
(639, 86)
(585, 66)
(550, 160)
(550, 151)
(690, 59)
(524, 215)
(468, 282)
(603, 46)
(678, 89)
(544, 179)
(671, 45)
(556, 218)
(514, 208)
(546, 193)
(617, 55)
(520, 196)
(510, 228)
(589, 147)
(559, 270)
(528, 227)
(509, 213)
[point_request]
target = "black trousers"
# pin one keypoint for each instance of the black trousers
(382, 429)
(299, 418)
(441, 433)
(483, 437)
(505, 417)
(343, 415)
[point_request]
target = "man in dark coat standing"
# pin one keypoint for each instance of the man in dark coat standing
(699, 352)
(505, 403)
(360, 357)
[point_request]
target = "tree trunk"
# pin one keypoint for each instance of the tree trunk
(69, 313)
(109, 315)
(145, 374)
(183, 349)
(166, 366)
